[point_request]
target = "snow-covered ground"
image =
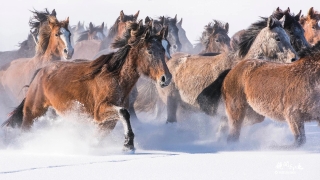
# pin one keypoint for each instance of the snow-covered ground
(70, 148)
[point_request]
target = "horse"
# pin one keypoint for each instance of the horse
(214, 38)
(235, 40)
(200, 91)
(173, 37)
(311, 26)
(26, 50)
(185, 43)
(101, 86)
(289, 93)
(53, 44)
(117, 29)
(293, 28)
(88, 42)
(76, 31)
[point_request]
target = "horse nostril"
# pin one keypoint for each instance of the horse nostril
(163, 79)
(293, 59)
(175, 46)
(65, 51)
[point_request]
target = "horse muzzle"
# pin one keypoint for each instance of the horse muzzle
(68, 53)
(165, 80)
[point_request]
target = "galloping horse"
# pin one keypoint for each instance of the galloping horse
(289, 92)
(53, 43)
(187, 47)
(214, 38)
(101, 86)
(311, 26)
(88, 42)
(117, 29)
(26, 50)
(200, 91)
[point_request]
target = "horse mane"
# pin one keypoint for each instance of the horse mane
(250, 34)
(114, 61)
(311, 53)
(84, 35)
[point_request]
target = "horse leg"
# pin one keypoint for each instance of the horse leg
(31, 111)
(235, 111)
(107, 116)
(132, 98)
(252, 117)
(172, 106)
(297, 128)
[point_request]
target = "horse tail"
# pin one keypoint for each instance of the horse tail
(212, 93)
(16, 116)
(147, 97)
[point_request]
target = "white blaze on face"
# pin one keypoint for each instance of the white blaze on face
(65, 38)
(165, 45)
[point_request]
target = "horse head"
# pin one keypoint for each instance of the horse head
(311, 26)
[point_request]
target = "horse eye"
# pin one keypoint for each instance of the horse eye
(56, 34)
(313, 27)
(217, 40)
(277, 39)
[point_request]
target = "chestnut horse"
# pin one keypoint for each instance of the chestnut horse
(101, 86)
(311, 26)
(200, 91)
(116, 30)
(214, 38)
(88, 42)
(53, 44)
(289, 92)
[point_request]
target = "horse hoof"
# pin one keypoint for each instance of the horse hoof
(170, 122)
(129, 149)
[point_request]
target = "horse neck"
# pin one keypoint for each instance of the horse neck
(51, 53)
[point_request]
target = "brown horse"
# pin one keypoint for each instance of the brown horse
(52, 45)
(88, 42)
(102, 86)
(116, 30)
(311, 26)
(283, 92)
(214, 38)
(200, 91)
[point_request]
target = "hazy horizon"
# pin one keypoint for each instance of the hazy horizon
(239, 14)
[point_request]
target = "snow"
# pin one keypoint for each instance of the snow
(71, 148)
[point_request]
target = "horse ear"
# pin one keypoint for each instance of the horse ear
(270, 22)
(311, 13)
(180, 22)
(102, 26)
(90, 27)
(297, 17)
(147, 20)
(146, 34)
(67, 22)
(53, 13)
(226, 27)
(162, 21)
(282, 20)
(135, 17)
(121, 15)
(288, 10)
(175, 19)
(278, 9)
(78, 25)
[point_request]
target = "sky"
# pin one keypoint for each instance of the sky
(15, 14)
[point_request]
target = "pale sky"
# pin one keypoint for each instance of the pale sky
(15, 14)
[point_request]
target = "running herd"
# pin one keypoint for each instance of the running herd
(271, 69)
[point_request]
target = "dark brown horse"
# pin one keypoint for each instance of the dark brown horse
(214, 38)
(53, 44)
(311, 26)
(88, 42)
(117, 29)
(102, 86)
(283, 92)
